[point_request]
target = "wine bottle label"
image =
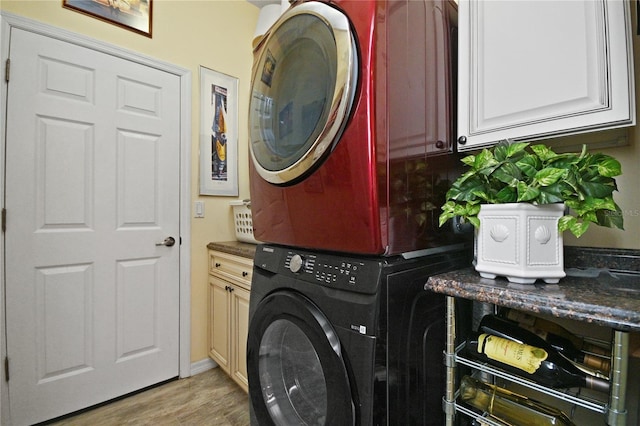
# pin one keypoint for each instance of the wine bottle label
(525, 357)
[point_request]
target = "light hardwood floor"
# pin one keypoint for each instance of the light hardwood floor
(209, 398)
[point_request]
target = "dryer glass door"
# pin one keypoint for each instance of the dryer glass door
(303, 84)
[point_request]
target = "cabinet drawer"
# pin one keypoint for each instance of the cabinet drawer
(228, 266)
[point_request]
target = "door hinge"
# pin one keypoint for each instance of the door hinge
(4, 219)
(6, 369)
(7, 68)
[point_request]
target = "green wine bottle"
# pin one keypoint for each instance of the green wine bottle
(509, 407)
(555, 330)
(562, 344)
(540, 363)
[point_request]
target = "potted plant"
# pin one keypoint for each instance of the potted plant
(544, 194)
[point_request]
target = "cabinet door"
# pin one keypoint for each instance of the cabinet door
(240, 312)
(219, 344)
(536, 69)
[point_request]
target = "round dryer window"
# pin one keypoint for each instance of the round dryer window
(302, 88)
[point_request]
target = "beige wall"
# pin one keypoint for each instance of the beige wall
(216, 34)
(628, 197)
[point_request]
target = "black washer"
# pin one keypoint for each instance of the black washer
(345, 339)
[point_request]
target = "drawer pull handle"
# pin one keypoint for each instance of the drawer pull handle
(245, 273)
(217, 265)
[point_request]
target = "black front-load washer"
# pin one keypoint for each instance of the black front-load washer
(345, 340)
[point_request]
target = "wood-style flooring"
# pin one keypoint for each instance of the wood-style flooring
(208, 398)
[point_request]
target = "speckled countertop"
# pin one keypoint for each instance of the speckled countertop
(237, 248)
(592, 296)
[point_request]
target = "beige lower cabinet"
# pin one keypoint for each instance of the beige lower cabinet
(229, 290)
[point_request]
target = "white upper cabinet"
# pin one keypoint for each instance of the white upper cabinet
(537, 69)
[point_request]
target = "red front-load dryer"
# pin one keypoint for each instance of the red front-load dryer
(351, 120)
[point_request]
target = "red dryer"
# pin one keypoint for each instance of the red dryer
(351, 126)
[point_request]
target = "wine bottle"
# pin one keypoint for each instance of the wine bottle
(501, 327)
(634, 345)
(509, 407)
(559, 343)
(540, 363)
(554, 330)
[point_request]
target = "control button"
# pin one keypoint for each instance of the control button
(296, 263)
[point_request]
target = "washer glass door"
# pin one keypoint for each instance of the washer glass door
(292, 381)
(297, 374)
(303, 84)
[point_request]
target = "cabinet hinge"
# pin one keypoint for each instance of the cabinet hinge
(4, 219)
(7, 68)
(6, 368)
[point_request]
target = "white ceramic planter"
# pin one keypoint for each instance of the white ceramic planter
(521, 242)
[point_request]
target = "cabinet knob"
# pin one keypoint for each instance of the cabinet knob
(231, 289)
(462, 140)
(217, 265)
(439, 144)
(245, 273)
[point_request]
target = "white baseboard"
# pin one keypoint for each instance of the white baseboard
(202, 366)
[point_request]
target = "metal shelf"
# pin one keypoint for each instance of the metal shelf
(614, 410)
(582, 401)
(485, 417)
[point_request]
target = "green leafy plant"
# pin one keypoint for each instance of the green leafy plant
(520, 172)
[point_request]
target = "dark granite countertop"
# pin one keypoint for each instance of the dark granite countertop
(237, 248)
(590, 295)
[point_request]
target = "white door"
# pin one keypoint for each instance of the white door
(92, 187)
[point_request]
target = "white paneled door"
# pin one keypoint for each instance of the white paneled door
(92, 198)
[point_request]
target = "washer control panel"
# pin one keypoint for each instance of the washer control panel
(346, 273)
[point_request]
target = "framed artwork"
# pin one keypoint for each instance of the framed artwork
(218, 133)
(134, 15)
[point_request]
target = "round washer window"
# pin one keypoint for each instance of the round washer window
(291, 376)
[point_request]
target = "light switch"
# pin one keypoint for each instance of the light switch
(199, 209)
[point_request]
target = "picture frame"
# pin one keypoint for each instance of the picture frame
(218, 133)
(133, 15)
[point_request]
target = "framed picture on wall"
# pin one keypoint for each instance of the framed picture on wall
(218, 133)
(134, 15)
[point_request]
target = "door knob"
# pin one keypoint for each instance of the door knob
(169, 241)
